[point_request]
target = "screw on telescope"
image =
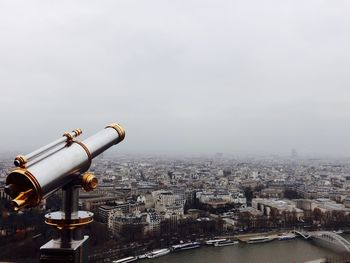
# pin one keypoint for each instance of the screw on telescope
(89, 181)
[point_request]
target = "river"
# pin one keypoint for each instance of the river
(289, 251)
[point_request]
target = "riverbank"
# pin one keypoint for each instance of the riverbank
(246, 237)
(276, 251)
(136, 249)
(289, 251)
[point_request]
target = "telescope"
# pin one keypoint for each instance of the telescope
(62, 164)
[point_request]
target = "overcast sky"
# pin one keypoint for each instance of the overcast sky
(182, 77)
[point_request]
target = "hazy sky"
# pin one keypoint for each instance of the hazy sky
(241, 77)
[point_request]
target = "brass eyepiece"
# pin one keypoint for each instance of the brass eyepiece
(20, 161)
(23, 188)
(89, 181)
(21, 200)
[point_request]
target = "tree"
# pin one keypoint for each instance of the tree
(245, 220)
(317, 215)
(259, 187)
(98, 233)
(291, 194)
(274, 216)
(248, 192)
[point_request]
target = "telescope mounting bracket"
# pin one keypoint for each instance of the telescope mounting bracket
(69, 223)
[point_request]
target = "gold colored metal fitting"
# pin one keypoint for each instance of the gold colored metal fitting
(86, 149)
(58, 220)
(31, 195)
(89, 182)
(21, 161)
(77, 132)
(69, 136)
(21, 200)
(120, 130)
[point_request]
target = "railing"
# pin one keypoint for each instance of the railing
(304, 234)
(332, 238)
(327, 236)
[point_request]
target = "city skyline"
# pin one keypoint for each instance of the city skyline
(143, 203)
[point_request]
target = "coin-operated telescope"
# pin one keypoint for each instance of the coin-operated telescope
(62, 164)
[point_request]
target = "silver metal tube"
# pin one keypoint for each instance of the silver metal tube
(45, 154)
(43, 149)
(101, 141)
(66, 138)
(56, 170)
(70, 205)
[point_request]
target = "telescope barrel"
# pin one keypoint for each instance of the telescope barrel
(27, 186)
(45, 154)
(21, 161)
(104, 139)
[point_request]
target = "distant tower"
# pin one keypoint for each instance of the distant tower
(294, 154)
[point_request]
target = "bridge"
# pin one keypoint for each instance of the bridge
(329, 237)
(302, 233)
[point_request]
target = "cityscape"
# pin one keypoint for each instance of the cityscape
(144, 204)
(218, 131)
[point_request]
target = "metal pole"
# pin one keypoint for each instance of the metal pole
(71, 247)
(70, 205)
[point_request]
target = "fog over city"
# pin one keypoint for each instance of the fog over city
(182, 77)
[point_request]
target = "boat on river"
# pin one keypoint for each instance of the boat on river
(158, 253)
(225, 243)
(125, 260)
(213, 241)
(185, 246)
(259, 239)
(288, 236)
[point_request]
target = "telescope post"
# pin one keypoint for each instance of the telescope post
(71, 246)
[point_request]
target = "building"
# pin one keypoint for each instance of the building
(104, 211)
(272, 193)
(127, 225)
(93, 202)
(165, 200)
(153, 223)
(323, 204)
(3, 195)
(282, 206)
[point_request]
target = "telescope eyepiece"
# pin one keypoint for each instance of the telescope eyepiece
(20, 161)
(21, 200)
